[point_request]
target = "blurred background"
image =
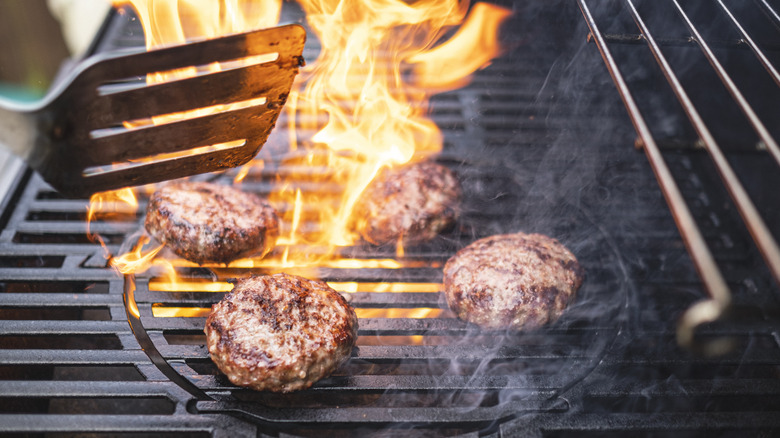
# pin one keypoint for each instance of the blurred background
(39, 36)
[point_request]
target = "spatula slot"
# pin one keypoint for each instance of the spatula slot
(164, 119)
(182, 73)
(131, 164)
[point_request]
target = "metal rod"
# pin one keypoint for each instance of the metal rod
(755, 224)
(747, 210)
(752, 44)
(146, 343)
(761, 130)
(634, 38)
(771, 12)
(711, 276)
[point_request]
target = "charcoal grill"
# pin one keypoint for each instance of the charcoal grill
(542, 143)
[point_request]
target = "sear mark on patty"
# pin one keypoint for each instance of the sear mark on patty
(280, 333)
(512, 281)
(211, 223)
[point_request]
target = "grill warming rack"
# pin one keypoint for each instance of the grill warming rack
(717, 305)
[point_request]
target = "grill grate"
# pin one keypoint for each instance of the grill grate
(540, 145)
(445, 363)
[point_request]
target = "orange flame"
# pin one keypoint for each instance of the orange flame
(168, 22)
(360, 107)
(356, 112)
(136, 260)
(477, 37)
(107, 205)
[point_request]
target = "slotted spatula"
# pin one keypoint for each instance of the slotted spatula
(79, 139)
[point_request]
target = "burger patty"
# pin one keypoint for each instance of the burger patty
(211, 223)
(280, 333)
(513, 281)
(411, 203)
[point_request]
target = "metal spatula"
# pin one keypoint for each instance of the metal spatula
(94, 131)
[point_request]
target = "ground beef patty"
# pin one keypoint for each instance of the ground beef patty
(280, 333)
(512, 281)
(414, 203)
(211, 223)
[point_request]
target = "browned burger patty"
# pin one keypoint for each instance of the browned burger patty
(280, 333)
(512, 281)
(413, 203)
(211, 223)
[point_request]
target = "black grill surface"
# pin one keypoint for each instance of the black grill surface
(541, 143)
